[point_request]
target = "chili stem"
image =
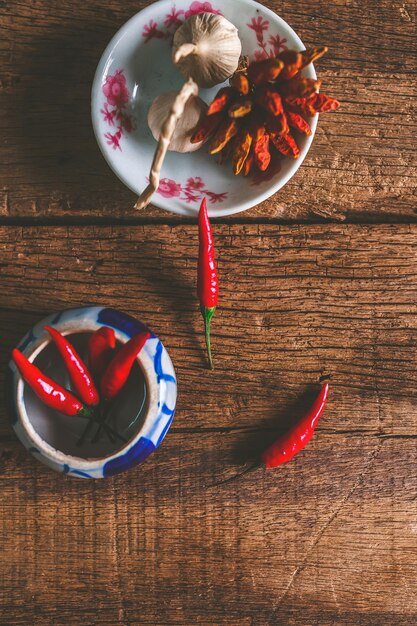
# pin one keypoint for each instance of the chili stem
(102, 422)
(87, 429)
(251, 468)
(111, 430)
(207, 315)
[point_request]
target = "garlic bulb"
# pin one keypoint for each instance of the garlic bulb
(207, 49)
(188, 90)
(194, 109)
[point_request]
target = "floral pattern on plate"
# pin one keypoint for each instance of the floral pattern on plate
(193, 190)
(114, 109)
(130, 154)
(276, 43)
(174, 19)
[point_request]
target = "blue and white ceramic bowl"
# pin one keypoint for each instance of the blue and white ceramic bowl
(143, 412)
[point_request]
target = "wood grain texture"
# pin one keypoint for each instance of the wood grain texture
(310, 543)
(330, 539)
(362, 164)
(339, 302)
(327, 539)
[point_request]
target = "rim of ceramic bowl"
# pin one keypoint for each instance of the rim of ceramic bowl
(158, 200)
(70, 326)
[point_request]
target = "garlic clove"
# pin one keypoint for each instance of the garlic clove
(207, 48)
(159, 110)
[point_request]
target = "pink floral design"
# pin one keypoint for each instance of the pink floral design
(174, 19)
(189, 196)
(193, 191)
(275, 42)
(108, 114)
(260, 55)
(200, 7)
(216, 197)
(278, 43)
(151, 32)
(169, 188)
(117, 97)
(259, 25)
(114, 140)
(195, 183)
(115, 89)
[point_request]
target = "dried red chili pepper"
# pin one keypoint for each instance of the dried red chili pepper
(299, 87)
(223, 135)
(312, 54)
(47, 390)
(264, 71)
(207, 280)
(286, 144)
(227, 152)
(257, 128)
(241, 108)
(78, 372)
(241, 150)
(249, 163)
(292, 63)
(263, 93)
(118, 370)
(240, 83)
(321, 103)
(221, 101)
(277, 125)
(261, 152)
(207, 127)
(301, 106)
(100, 347)
(296, 121)
(270, 100)
(290, 443)
(287, 446)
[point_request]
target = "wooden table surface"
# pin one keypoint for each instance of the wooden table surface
(319, 280)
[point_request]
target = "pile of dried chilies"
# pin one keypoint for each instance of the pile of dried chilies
(257, 114)
(107, 371)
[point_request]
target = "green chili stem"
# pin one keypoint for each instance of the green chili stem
(207, 315)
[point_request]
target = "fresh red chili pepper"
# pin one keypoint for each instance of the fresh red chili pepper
(287, 446)
(208, 281)
(77, 370)
(100, 347)
(118, 370)
(47, 390)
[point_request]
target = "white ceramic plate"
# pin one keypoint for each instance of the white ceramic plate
(136, 67)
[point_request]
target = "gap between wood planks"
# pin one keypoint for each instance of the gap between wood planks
(189, 221)
(174, 430)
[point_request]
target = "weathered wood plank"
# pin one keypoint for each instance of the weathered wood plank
(296, 303)
(328, 538)
(362, 164)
